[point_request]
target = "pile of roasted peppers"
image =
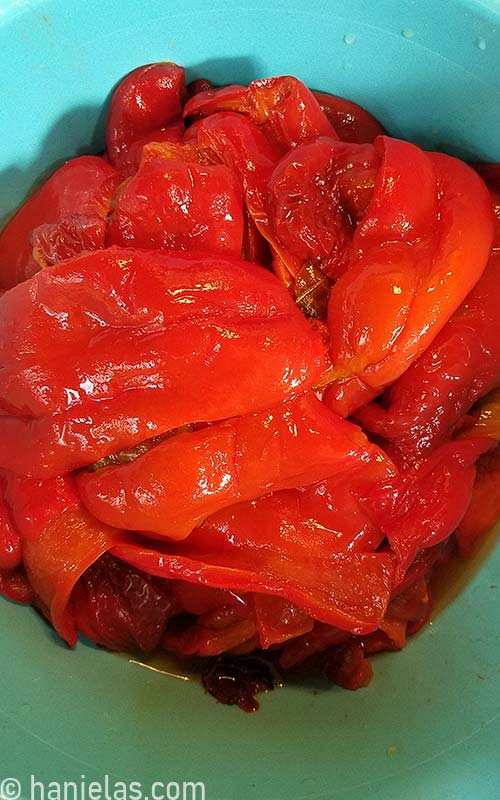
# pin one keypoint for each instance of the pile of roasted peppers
(248, 365)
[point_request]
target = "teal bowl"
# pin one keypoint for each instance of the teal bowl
(428, 726)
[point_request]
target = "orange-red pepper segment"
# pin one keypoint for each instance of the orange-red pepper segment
(347, 590)
(317, 193)
(173, 487)
(54, 562)
(430, 400)
(128, 356)
(420, 249)
(484, 508)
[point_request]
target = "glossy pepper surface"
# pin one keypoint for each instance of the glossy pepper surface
(420, 249)
(131, 351)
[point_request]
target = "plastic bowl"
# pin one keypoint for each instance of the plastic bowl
(428, 726)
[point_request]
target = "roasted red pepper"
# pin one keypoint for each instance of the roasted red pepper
(424, 505)
(295, 444)
(237, 142)
(179, 206)
(317, 193)
(350, 590)
(283, 107)
(422, 246)
(68, 543)
(462, 364)
(128, 356)
(234, 510)
(64, 217)
(144, 104)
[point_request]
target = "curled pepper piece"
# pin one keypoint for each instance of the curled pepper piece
(430, 400)
(128, 357)
(424, 505)
(420, 249)
(65, 216)
(237, 142)
(295, 444)
(348, 589)
(179, 206)
(317, 193)
(283, 107)
(68, 543)
(144, 104)
(352, 122)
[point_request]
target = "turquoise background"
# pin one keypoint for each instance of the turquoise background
(428, 727)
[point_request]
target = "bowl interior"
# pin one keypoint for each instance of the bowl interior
(428, 725)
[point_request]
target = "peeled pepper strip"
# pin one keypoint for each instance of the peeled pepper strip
(177, 484)
(94, 301)
(349, 590)
(317, 193)
(156, 338)
(352, 122)
(65, 548)
(57, 443)
(420, 249)
(237, 142)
